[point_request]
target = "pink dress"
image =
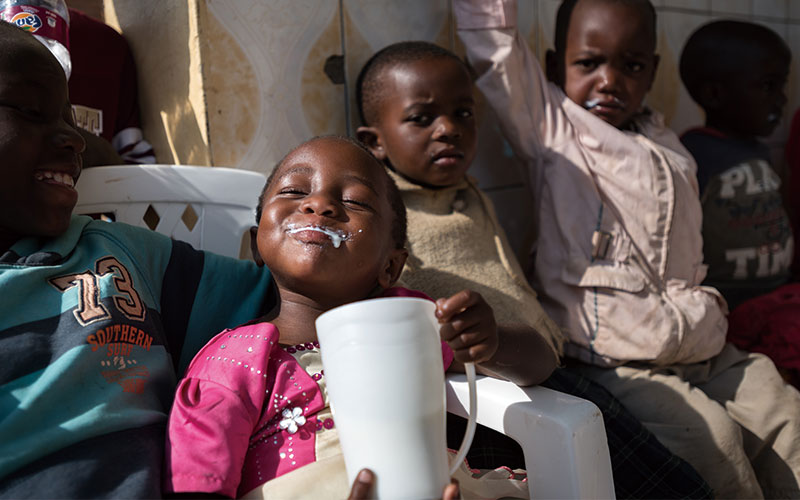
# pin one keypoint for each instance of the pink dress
(250, 410)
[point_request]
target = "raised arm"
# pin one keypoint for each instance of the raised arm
(511, 78)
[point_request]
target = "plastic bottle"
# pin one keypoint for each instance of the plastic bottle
(47, 20)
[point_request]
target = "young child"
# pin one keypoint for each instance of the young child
(736, 72)
(95, 317)
(618, 254)
(416, 101)
(332, 230)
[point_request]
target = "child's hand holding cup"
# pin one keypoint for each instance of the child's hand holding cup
(385, 379)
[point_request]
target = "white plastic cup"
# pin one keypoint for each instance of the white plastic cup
(385, 379)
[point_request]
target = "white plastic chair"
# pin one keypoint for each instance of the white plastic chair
(210, 208)
(562, 437)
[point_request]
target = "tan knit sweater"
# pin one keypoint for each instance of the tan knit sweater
(455, 243)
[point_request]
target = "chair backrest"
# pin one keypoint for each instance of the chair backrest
(210, 208)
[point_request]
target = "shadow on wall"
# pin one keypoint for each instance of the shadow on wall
(164, 39)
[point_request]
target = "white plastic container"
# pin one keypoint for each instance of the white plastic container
(385, 379)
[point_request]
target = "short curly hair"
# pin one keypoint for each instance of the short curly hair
(369, 85)
(399, 228)
(564, 15)
(718, 50)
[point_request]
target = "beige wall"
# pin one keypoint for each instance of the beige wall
(165, 39)
(238, 82)
(263, 69)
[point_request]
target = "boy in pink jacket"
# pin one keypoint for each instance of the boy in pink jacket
(618, 256)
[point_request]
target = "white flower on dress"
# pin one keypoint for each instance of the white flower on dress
(292, 419)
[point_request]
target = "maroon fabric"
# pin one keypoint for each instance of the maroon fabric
(103, 73)
(770, 324)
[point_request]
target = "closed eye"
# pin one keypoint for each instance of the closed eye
(357, 203)
(24, 110)
(292, 191)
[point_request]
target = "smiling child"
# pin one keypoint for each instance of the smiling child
(95, 316)
(618, 258)
(332, 230)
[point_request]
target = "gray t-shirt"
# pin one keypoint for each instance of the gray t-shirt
(747, 239)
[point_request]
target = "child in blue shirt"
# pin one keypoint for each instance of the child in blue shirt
(96, 318)
(736, 71)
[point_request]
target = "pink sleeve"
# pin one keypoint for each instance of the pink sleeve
(447, 352)
(207, 436)
(215, 411)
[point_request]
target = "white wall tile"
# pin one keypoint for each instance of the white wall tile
(697, 5)
(794, 10)
(371, 25)
(547, 24)
(286, 43)
(771, 8)
(731, 6)
(527, 17)
(668, 95)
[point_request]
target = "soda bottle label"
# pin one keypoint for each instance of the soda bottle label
(39, 21)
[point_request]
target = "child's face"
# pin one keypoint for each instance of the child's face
(751, 103)
(426, 123)
(325, 229)
(609, 64)
(39, 146)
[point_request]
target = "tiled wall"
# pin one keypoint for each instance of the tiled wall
(164, 37)
(289, 97)
(264, 68)
(280, 71)
(679, 18)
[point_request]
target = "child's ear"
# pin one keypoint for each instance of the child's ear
(553, 68)
(393, 268)
(710, 95)
(371, 138)
(254, 246)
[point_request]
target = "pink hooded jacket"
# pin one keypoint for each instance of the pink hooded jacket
(618, 259)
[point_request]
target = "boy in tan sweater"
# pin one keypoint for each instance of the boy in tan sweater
(416, 103)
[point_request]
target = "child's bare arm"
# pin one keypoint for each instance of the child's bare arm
(512, 352)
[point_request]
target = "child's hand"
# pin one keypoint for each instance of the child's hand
(468, 326)
(365, 481)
